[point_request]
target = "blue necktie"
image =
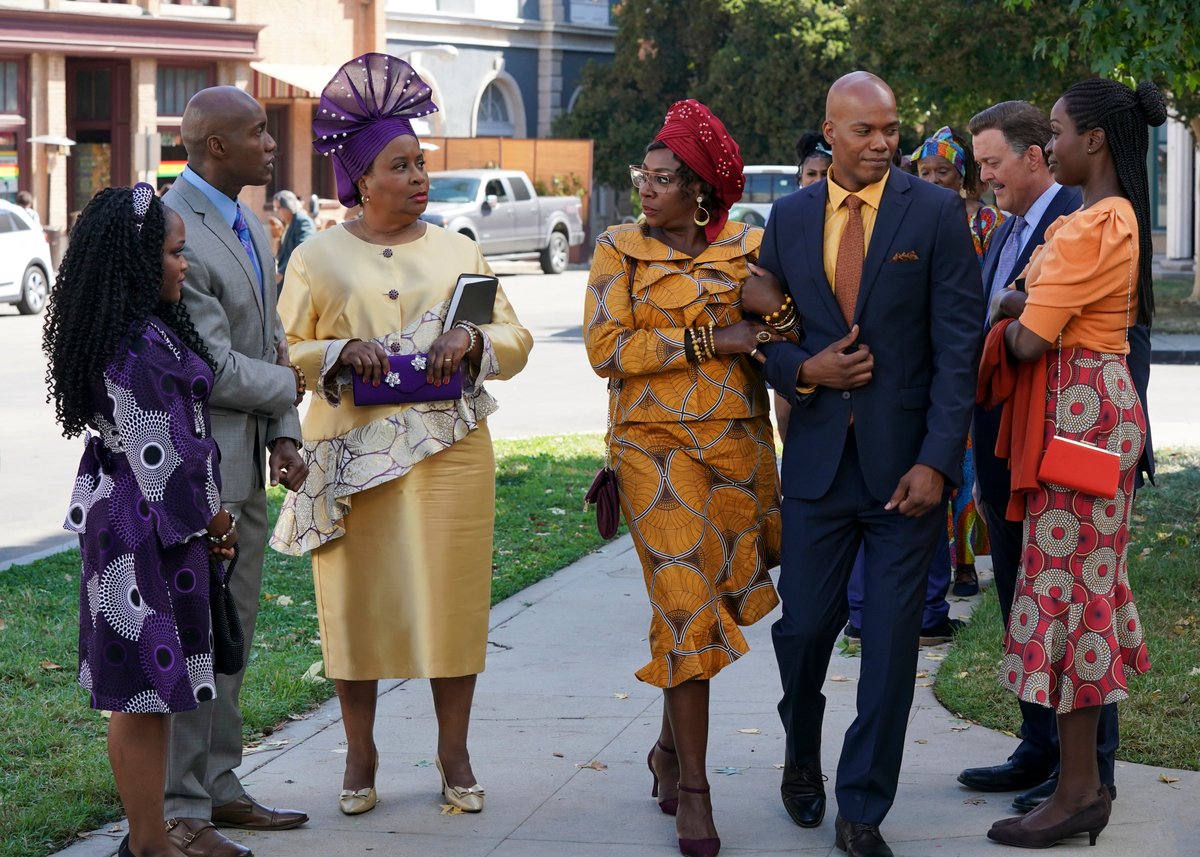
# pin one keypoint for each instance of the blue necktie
(243, 233)
(1008, 257)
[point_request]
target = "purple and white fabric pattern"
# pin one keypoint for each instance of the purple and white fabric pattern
(146, 489)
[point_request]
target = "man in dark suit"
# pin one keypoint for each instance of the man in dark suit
(882, 270)
(1009, 140)
(230, 295)
(299, 228)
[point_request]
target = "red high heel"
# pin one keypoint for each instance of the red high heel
(671, 805)
(698, 847)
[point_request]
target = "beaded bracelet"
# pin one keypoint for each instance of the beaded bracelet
(471, 332)
(775, 316)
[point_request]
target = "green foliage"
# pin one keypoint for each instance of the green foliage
(946, 61)
(1156, 40)
(1160, 722)
(661, 54)
(768, 80)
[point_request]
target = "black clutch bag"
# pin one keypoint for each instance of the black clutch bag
(229, 643)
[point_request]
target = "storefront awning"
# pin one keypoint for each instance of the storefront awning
(280, 80)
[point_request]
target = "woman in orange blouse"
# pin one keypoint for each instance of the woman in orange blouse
(1074, 633)
(691, 437)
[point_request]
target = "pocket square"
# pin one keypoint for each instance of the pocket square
(906, 256)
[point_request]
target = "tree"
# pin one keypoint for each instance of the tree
(1133, 40)
(662, 53)
(768, 80)
(946, 61)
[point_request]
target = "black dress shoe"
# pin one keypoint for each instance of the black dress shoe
(1009, 777)
(1026, 801)
(803, 791)
(859, 840)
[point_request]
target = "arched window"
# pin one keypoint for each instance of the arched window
(494, 118)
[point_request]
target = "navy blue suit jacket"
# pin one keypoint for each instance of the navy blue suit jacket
(920, 318)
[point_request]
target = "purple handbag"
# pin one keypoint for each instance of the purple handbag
(405, 383)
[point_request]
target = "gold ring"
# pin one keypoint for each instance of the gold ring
(763, 336)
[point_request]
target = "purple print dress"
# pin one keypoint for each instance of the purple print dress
(146, 490)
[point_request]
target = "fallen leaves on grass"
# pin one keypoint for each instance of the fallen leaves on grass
(49, 665)
(594, 765)
(934, 656)
(312, 675)
(264, 746)
(922, 674)
(284, 601)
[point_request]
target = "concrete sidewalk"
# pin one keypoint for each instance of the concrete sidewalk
(559, 693)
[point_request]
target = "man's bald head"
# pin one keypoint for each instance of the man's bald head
(863, 128)
(224, 131)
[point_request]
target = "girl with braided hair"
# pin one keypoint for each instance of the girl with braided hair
(127, 369)
(1074, 635)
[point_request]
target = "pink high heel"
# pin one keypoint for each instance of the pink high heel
(671, 805)
(698, 847)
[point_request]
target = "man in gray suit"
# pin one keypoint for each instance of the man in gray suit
(230, 295)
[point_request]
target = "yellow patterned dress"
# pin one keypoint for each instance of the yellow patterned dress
(692, 444)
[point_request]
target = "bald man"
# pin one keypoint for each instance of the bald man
(230, 294)
(882, 385)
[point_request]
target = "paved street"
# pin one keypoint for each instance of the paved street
(556, 393)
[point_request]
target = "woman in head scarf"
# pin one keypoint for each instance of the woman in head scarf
(399, 502)
(690, 438)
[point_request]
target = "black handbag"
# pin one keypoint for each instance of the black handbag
(229, 642)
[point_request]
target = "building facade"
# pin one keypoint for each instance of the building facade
(92, 92)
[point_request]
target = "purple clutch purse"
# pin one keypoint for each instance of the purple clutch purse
(405, 383)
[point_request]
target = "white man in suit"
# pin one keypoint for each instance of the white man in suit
(882, 272)
(230, 293)
(299, 228)
(1009, 140)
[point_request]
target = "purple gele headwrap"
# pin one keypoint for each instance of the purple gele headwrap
(368, 103)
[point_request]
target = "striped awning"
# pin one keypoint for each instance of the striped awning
(279, 80)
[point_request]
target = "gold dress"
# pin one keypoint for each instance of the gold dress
(399, 503)
(692, 445)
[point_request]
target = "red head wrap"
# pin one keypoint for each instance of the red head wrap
(698, 138)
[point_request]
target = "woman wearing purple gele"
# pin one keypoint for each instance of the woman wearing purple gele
(127, 368)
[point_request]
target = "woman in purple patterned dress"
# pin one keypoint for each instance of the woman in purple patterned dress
(127, 368)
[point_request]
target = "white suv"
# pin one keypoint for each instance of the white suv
(764, 185)
(25, 269)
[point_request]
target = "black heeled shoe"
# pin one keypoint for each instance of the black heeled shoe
(670, 806)
(710, 847)
(1092, 819)
(123, 848)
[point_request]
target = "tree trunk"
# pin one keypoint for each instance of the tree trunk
(1195, 296)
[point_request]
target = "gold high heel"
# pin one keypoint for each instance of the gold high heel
(362, 800)
(469, 799)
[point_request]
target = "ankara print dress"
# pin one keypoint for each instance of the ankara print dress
(145, 492)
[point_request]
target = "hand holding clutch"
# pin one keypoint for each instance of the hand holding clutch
(406, 381)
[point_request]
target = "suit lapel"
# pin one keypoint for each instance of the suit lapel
(892, 207)
(812, 225)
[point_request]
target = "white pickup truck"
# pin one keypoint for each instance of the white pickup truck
(502, 212)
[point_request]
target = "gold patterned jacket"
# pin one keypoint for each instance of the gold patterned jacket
(635, 333)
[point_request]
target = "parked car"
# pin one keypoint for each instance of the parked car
(25, 269)
(502, 212)
(764, 184)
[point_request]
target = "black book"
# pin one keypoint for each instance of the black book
(474, 297)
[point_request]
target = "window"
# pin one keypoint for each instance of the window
(10, 166)
(277, 127)
(324, 183)
(1156, 170)
(494, 118)
(520, 189)
(10, 93)
(496, 188)
(177, 85)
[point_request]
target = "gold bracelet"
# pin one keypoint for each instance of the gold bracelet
(772, 317)
(712, 341)
(696, 346)
(301, 381)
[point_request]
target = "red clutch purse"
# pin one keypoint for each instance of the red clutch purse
(1081, 467)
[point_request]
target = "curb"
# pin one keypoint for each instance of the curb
(1175, 357)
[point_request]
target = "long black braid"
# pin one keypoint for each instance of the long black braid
(108, 285)
(1124, 114)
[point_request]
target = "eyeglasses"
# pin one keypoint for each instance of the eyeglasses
(658, 181)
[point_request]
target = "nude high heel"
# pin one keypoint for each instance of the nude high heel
(359, 801)
(468, 799)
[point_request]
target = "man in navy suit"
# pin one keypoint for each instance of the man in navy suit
(1008, 139)
(884, 276)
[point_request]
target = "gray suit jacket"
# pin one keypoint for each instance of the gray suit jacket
(253, 398)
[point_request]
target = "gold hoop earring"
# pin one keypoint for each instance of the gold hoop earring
(699, 208)
(366, 199)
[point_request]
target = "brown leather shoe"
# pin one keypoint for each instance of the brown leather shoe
(196, 837)
(248, 814)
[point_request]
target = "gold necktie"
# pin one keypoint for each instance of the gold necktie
(848, 274)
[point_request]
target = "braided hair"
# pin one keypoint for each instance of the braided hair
(108, 286)
(1124, 114)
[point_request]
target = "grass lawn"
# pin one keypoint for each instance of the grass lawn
(54, 776)
(1160, 722)
(1173, 313)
